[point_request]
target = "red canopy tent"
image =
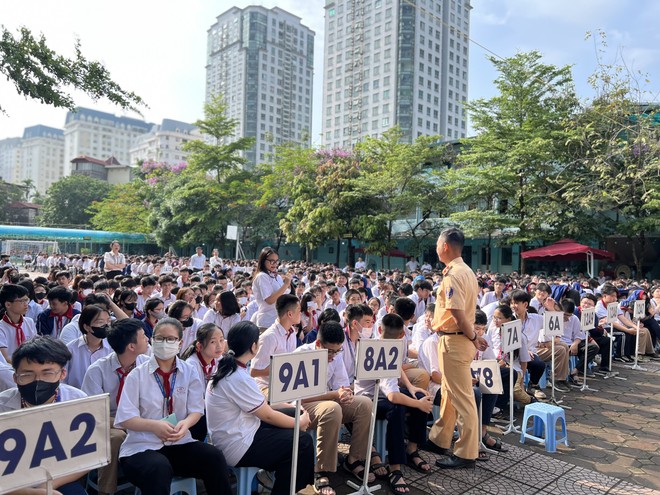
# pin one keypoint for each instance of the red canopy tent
(569, 250)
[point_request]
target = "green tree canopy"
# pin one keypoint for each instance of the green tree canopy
(68, 199)
(122, 210)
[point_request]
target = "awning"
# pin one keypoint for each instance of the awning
(567, 250)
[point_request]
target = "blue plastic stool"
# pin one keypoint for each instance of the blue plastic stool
(244, 479)
(543, 381)
(186, 485)
(545, 421)
(380, 435)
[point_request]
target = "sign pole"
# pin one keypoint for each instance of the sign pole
(553, 326)
(365, 489)
(511, 428)
(638, 314)
(296, 441)
(636, 366)
(586, 347)
(49, 482)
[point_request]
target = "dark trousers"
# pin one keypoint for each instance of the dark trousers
(396, 416)
(503, 399)
(272, 450)
(152, 470)
(199, 429)
(73, 488)
(605, 346)
(592, 350)
(654, 329)
(536, 368)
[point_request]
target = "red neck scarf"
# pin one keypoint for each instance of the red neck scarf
(59, 320)
(208, 367)
(122, 375)
(20, 334)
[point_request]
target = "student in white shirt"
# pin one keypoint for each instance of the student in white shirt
(335, 302)
(334, 408)
(183, 312)
(166, 283)
(496, 294)
(245, 427)
(14, 327)
(106, 376)
(226, 311)
(39, 366)
(541, 295)
(161, 399)
(90, 346)
(148, 285)
(198, 259)
(422, 296)
(267, 287)
(422, 329)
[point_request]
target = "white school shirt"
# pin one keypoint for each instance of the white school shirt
(420, 305)
(197, 364)
(275, 340)
(8, 334)
(535, 303)
(601, 310)
(489, 353)
(201, 311)
(214, 261)
(348, 357)
(572, 330)
(190, 334)
(71, 331)
(6, 375)
(251, 310)
(198, 261)
(496, 343)
(490, 297)
(420, 333)
(366, 387)
(427, 358)
(82, 358)
(337, 376)
(262, 287)
(142, 397)
(337, 307)
(34, 310)
(115, 259)
(10, 399)
(531, 328)
(102, 378)
(230, 418)
(223, 322)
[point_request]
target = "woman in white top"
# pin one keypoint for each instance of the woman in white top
(242, 424)
(182, 311)
(114, 261)
(160, 402)
(90, 346)
(267, 287)
(226, 311)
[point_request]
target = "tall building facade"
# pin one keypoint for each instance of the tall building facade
(10, 159)
(164, 142)
(395, 62)
(42, 156)
(92, 133)
(261, 61)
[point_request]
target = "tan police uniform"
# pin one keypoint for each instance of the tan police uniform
(458, 290)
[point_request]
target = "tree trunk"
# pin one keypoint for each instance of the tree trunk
(351, 253)
(338, 251)
(490, 236)
(522, 260)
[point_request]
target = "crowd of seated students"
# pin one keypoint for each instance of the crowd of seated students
(184, 355)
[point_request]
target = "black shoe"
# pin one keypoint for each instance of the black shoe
(431, 447)
(454, 462)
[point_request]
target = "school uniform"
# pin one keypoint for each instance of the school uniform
(81, 358)
(147, 461)
(420, 333)
(532, 326)
(190, 334)
(222, 322)
(427, 359)
(275, 340)
(166, 300)
(348, 355)
(50, 324)
(10, 399)
(249, 442)
(327, 416)
(34, 310)
(12, 335)
(645, 341)
(6, 375)
(263, 286)
(337, 307)
(491, 297)
(572, 331)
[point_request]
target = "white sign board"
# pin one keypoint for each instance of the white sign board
(612, 312)
(487, 373)
(232, 232)
(63, 438)
(377, 359)
(298, 375)
(511, 336)
(588, 319)
(639, 310)
(553, 324)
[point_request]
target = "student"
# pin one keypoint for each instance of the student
(52, 321)
(148, 285)
(421, 297)
(40, 365)
(267, 287)
(15, 328)
(90, 346)
(126, 299)
(245, 427)
(203, 353)
(399, 406)
(107, 375)
(598, 333)
(354, 329)
(334, 408)
(154, 311)
(541, 295)
(496, 294)
(575, 338)
(166, 283)
(226, 311)
(279, 338)
(183, 312)
(71, 330)
(422, 329)
(160, 401)
(405, 308)
(335, 302)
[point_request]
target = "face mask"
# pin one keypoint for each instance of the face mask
(365, 333)
(198, 299)
(39, 296)
(129, 306)
(100, 332)
(188, 323)
(165, 350)
(13, 279)
(311, 306)
(159, 315)
(38, 392)
(242, 301)
(87, 292)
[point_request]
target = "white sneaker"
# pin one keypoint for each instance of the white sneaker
(496, 410)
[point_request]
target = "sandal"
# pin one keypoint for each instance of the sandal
(483, 456)
(417, 466)
(397, 486)
(353, 468)
(498, 443)
(322, 482)
(379, 465)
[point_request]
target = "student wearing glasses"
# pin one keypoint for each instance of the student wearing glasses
(15, 327)
(161, 400)
(267, 286)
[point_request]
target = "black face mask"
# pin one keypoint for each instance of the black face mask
(39, 296)
(38, 392)
(199, 299)
(188, 323)
(100, 332)
(129, 306)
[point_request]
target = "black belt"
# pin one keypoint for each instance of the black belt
(450, 333)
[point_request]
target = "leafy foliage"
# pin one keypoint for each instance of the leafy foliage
(123, 210)
(68, 199)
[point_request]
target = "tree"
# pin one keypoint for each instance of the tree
(521, 143)
(68, 199)
(123, 210)
(42, 74)
(223, 155)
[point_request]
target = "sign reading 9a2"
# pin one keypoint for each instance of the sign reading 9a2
(377, 359)
(62, 438)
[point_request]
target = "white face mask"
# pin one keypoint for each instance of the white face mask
(311, 306)
(365, 332)
(242, 301)
(165, 350)
(87, 292)
(159, 315)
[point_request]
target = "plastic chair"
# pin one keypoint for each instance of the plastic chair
(93, 480)
(178, 485)
(244, 479)
(545, 418)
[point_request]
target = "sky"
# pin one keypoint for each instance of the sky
(158, 48)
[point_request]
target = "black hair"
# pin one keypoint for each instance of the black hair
(169, 321)
(353, 312)
(175, 310)
(506, 311)
(366, 310)
(591, 297)
(406, 289)
(9, 293)
(349, 293)
(392, 326)
(306, 298)
(454, 237)
(543, 287)
(152, 303)
(101, 285)
(240, 339)
(405, 308)
(29, 285)
(59, 293)
(147, 281)
(330, 332)
(229, 303)
(480, 318)
(430, 308)
(285, 303)
(519, 295)
(123, 295)
(423, 284)
(265, 253)
(41, 349)
(122, 333)
(204, 334)
(329, 315)
(88, 314)
(567, 306)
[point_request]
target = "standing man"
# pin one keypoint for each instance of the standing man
(453, 320)
(197, 260)
(114, 261)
